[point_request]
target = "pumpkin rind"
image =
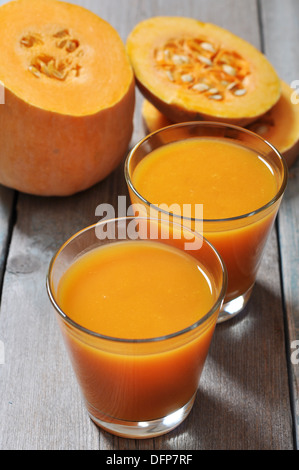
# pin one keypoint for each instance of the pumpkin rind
(68, 116)
(170, 65)
(280, 125)
(153, 119)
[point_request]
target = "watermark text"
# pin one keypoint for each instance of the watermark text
(166, 221)
(295, 94)
(295, 353)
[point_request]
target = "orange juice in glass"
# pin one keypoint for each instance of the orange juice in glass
(137, 312)
(237, 177)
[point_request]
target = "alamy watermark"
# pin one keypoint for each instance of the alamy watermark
(295, 94)
(170, 219)
(295, 353)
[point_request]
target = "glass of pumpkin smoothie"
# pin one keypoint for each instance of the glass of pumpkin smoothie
(137, 310)
(235, 175)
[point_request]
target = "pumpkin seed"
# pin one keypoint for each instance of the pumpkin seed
(179, 59)
(34, 71)
(229, 69)
(62, 43)
(44, 69)
(159, 56)
(207, 46)
(231, 86)
(54, 72)
(170, 75)
(72, 46)
(187, 77)
(26, 42)
(213, 91)
(240, 92)
(30, 41)
(204, 60)
(61, 34)
(201, 87)
(216, 97)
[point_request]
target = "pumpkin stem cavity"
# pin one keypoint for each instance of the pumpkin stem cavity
(202, 66)
(63, 63)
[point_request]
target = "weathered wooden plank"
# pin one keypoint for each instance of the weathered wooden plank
(281, 33)
(7, 203)
(243, 400)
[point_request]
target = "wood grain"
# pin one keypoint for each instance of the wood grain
(7, 204)
(281, 33)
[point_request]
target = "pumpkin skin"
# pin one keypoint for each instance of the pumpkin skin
(279, 126)
(68, 116)
(191, 70)
(153, 119)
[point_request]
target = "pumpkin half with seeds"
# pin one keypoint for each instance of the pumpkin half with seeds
(69, 97)
(192, 70)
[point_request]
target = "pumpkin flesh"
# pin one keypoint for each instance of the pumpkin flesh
(192, 70)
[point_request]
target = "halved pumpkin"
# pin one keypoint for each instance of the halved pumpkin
(192, 70)
(279, 126)
(69, 97)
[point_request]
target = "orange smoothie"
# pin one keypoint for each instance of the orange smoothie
(229, 180)
(137, 290)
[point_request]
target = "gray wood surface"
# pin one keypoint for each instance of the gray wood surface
(248, 395)
(283, 23)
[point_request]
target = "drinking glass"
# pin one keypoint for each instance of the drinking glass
(241, 239)
(138, 387)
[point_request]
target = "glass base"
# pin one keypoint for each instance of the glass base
(233, 307)
(144, 429)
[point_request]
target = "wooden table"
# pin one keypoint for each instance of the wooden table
(249, 392)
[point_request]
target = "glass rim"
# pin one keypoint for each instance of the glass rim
(277, 196)
(216, 304)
